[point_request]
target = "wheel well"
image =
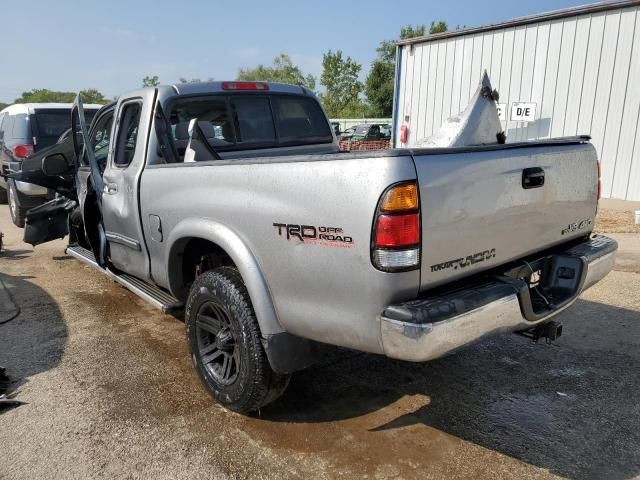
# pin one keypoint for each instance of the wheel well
(192, 256)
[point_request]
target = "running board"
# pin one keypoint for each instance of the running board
(152, 294)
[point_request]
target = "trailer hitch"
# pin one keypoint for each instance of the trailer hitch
(550, 331)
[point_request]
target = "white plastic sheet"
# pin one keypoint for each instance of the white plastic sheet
(479, 124)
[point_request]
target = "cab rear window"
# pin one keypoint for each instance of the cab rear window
(245, 122)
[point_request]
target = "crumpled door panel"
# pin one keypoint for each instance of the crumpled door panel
(49, 221)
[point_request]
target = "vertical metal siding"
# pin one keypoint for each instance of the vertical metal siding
(582, 71)
(628, 154)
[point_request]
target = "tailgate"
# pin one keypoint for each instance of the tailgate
(477, 214)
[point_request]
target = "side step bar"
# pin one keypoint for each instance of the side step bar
(152, 294)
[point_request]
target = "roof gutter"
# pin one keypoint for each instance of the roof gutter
(539, 17)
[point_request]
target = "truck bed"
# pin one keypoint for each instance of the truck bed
(474, 211)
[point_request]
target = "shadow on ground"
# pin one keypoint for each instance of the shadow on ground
(15, 254)
(571, 407)
(33, 341)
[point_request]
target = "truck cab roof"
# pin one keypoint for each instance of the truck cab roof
(231, 86)
(30, 108)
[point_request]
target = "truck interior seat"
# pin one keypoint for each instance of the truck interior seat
(208, 130)
(181, 138)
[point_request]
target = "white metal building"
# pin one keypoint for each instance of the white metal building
(576, 70)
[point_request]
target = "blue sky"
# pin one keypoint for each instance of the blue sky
(112, 44)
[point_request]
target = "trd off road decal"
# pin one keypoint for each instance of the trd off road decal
(576, 226)
(466, 261)
(326, 236)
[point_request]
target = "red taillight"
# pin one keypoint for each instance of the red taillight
(404, 133)
(22, 150)
(397, 230)
(395, 243)
(245, 86)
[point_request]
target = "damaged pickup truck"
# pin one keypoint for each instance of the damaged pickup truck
(230, 202)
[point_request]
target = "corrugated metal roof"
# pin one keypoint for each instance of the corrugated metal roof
(539, 17)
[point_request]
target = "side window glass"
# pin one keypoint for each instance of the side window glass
(2, 115)
(127, 134)
(101, 138)
(21, 130)
(7, 126)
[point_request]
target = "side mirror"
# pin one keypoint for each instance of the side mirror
(55, 164)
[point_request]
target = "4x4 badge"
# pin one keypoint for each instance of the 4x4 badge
(577, 226)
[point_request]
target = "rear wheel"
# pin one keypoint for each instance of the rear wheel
(225, 343)
(17, 212)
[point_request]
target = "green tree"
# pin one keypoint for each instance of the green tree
(282, 70)
(342, 87)
(437, 27)
(92, 95)
(409, 31)
(379, 88)
(150, 81)
(386, 51)
(379, 83)
(44, 95)
(3, 105)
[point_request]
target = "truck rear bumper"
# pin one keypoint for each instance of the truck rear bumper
(425, 329)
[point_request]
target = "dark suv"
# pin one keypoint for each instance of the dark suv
(26, 128)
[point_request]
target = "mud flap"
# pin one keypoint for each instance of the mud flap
(289, 353)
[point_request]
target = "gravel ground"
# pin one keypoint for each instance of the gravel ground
(111, 393)
(616, 221)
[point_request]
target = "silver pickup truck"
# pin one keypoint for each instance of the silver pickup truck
(229, 202)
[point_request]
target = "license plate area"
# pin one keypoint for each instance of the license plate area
(547, 284)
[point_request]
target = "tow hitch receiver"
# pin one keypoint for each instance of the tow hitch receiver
(550, 331)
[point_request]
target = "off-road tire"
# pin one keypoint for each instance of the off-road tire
(219, 293)
(18, 214)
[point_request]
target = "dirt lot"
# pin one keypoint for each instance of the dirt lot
(616, 221)
(111, 393)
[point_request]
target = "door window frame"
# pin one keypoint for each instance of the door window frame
(116, 132)
(92, 129)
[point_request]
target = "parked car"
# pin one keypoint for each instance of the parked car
(347, 134)
(369, 132)
(27, 128)
(275, 245)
